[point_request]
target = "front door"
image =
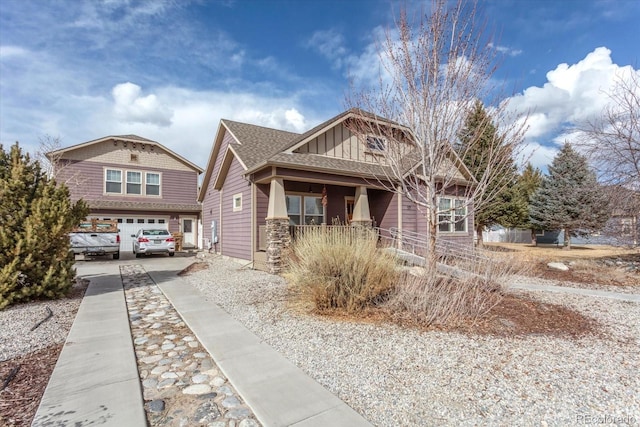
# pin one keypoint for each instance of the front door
(349, 202)
(188, 236)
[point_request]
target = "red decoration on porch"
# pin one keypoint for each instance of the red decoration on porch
(324, 196)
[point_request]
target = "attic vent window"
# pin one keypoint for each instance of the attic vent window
(134, 157)
(375, 143)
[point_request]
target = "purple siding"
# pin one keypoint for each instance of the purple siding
(211, 200)
(85, 180)
(210, 212)
(385, 210)
(235, 227)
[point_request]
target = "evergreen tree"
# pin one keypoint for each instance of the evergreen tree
(501, 203)
(36, 217)
(528, 183)
(569, 198)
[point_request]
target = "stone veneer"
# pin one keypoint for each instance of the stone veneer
(278, 239)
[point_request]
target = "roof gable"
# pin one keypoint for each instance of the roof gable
(250, 144)
(84, 147)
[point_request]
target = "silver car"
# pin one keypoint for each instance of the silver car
(151, 241)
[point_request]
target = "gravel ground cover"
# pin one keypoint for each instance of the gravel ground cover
(398, 376)
(31, 338)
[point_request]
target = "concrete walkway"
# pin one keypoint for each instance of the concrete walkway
(278, 392)
(96, 379)
(576, 291)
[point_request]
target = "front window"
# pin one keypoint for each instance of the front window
(134, 182)
(293, 209)
(452, 215)
(113, 181)
(305, 210)
(313, 211)
(152, 184)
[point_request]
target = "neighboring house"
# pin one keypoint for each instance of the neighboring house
(259, 181)
(134, 180)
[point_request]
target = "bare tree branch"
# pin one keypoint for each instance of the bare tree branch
(432, 72)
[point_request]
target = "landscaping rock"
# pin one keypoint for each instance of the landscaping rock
(557, 266)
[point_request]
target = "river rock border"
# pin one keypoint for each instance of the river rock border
(182, 386)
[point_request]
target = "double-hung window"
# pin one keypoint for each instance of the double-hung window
(134, 182)
(152, 187)
(452, 215)
(305, 210)
(113, 181)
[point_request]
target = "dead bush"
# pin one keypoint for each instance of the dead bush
(340, 268)
(461, 291)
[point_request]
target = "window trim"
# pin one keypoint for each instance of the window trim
(140, 183)
(123, 182)
(106, 170)
(378, 144)
(451, 222)
(159, 184)
(302, 213)
(235, 206)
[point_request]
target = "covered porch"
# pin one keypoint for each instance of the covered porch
(286, 199)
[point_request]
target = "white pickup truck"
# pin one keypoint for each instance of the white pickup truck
(96, 237)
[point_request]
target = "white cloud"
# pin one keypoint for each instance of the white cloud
(130, 107)
(296, 119)
(12, 51)
(506, 50)
(573, 93)
(330, 44)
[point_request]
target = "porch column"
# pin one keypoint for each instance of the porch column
(361, 214)
(277, 226)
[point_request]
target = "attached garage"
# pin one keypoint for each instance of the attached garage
(131, 224)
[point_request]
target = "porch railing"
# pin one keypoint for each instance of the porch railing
(408, 241)
(417, 244)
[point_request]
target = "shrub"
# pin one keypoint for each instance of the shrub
(36, 216)
(459, 292)
(340, 267)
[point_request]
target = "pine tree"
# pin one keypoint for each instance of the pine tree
(36, 217)
(501, 203)
(528, 183)
(569, 198)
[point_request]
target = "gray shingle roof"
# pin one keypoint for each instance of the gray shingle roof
(258, 143)
(329, 164)
(143, 206)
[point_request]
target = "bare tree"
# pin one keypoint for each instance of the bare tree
(50, 156)
(612, 140)
(433, 71)
(48, 144)
(612, 143)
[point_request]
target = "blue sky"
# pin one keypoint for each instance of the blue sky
(170, 70)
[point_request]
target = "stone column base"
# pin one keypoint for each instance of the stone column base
(278, 239)
(367, 223)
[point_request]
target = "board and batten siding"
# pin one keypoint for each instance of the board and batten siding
(235, 227)
(340, 142)
(86, 180)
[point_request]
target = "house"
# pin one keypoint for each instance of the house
(260, 181)
(134, 180)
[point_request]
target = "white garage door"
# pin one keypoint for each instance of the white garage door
(130, 225)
